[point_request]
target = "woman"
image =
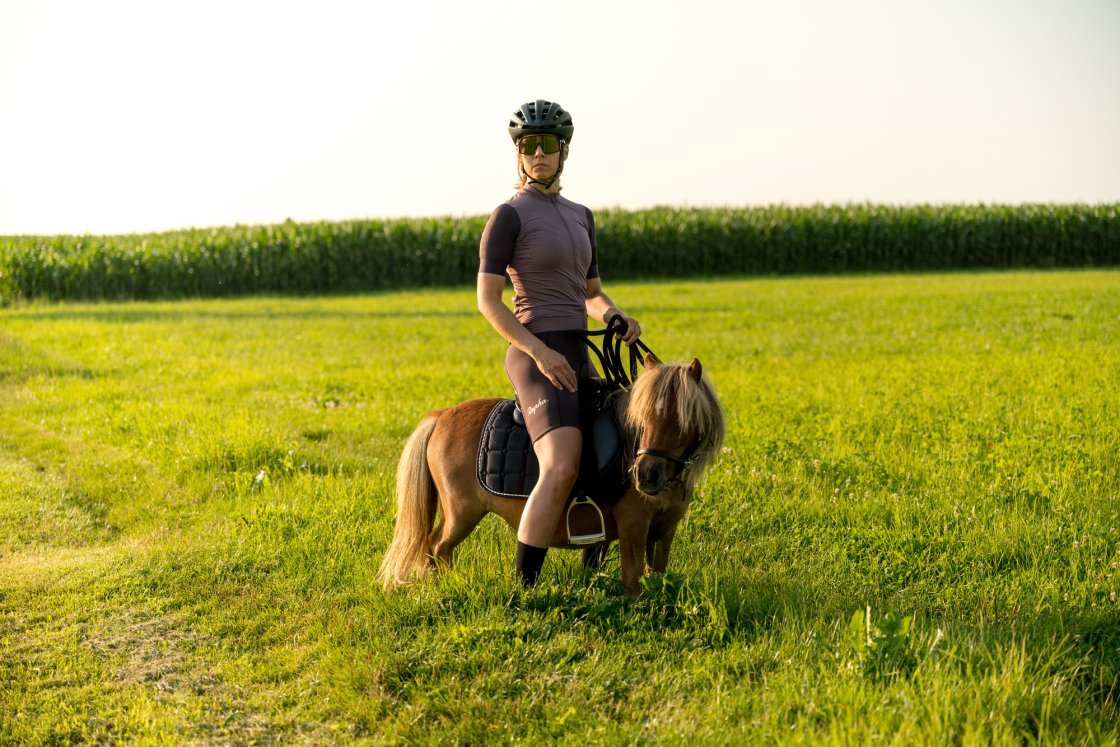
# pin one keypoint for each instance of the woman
(546, 244)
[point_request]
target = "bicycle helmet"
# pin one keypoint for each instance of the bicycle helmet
(541, 117)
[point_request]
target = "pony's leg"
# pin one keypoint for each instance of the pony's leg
(633, 534)
(593, 555)
(657, 551)
(453, 527)
(460, 510)
(451, 458)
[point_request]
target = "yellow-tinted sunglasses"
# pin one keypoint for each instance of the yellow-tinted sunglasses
(527, 145)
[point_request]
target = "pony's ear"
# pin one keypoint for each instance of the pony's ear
(649, 362)
(694, 369)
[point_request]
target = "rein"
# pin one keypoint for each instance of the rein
(610, 356)
(615, 375)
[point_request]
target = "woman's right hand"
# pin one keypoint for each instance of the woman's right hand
(556, 367)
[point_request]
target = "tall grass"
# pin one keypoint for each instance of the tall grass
(306, 258)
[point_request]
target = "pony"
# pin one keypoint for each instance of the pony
(672, 425)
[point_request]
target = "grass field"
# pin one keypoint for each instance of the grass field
(912, 535)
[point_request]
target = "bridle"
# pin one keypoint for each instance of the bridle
(683, 462)
(615, 375)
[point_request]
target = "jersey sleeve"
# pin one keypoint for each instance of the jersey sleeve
(593, 269)
(495, 251)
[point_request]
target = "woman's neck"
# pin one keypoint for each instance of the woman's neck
(541, 188)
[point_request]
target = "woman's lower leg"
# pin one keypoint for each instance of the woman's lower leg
(558, 454)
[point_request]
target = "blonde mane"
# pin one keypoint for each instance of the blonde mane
(697, 409)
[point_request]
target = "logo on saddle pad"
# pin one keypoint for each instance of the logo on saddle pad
(540, 403)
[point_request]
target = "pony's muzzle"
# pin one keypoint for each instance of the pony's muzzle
(652, 474)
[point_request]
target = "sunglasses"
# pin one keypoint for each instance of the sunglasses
(527, 145)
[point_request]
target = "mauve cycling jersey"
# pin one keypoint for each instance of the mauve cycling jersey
(546, 244)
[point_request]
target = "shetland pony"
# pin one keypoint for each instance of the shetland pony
(672, 427)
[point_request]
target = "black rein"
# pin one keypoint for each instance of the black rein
(615, 374)
(610, 357)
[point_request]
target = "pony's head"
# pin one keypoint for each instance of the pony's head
(678, 422)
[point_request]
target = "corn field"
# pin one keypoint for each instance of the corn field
(302, 258)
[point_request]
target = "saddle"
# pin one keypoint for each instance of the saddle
(508, 467)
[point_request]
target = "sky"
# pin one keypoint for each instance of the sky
(123, 116)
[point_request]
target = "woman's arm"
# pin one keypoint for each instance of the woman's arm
(600, 306)
(552, 364)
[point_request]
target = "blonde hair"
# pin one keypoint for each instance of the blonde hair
(697, 410)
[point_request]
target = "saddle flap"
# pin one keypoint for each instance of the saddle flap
(606, 439)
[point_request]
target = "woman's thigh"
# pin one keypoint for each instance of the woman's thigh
(543, 406)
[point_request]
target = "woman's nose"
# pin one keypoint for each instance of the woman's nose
(539, 151)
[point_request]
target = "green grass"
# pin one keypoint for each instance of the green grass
(912, 536)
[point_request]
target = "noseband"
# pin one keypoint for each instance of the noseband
(683, 462)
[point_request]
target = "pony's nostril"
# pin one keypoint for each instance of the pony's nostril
(651, 478)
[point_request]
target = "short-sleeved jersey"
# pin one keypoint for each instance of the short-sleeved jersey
(546, 244)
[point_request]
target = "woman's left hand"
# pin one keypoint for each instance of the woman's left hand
(633, 329)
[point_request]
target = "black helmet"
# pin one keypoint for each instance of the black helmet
(541, 117)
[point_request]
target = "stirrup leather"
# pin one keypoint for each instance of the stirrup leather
(585, 539)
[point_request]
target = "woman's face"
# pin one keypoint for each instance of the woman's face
(540, 165)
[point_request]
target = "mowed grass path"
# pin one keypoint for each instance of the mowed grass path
(912, 535)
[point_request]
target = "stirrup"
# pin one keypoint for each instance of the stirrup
(585, 539)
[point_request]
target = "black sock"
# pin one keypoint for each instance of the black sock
(528, 562)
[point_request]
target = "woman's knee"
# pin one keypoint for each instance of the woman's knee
(563, 472)
(558, 453)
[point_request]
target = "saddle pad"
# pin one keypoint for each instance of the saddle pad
(507, 465)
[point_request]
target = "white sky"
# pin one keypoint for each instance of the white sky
(120, 116)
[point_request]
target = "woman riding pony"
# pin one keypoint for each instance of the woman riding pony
(545, 243)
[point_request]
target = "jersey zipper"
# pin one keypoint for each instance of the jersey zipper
(571, 238)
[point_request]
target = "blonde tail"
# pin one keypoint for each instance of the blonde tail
(410, 551)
